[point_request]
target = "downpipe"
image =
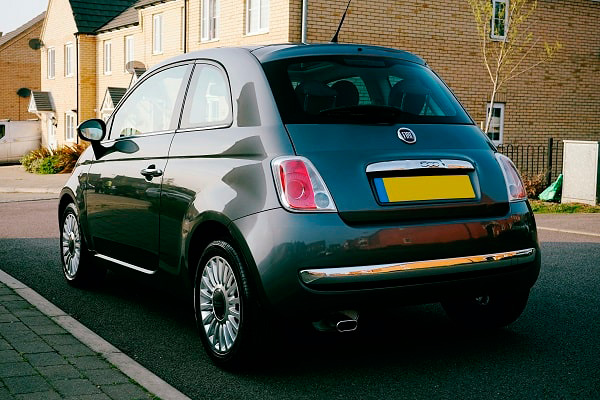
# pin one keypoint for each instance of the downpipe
(340, 321)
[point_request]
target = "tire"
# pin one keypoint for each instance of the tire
(77, 265)
(223, 306)
(487, 312)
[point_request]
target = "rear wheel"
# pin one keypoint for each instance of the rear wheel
(488, 311)
(78, 268)
(223, 306)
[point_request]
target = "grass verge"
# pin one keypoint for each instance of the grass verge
(544, 207)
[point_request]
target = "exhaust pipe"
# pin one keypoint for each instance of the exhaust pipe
(341, 321)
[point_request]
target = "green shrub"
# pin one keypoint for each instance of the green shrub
(45, 161)
(47, 165)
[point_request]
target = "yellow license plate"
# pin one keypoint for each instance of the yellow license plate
(419, 188)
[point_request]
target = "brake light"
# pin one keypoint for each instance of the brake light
(299, 185)
(514, 184)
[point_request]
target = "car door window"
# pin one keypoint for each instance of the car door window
(150, 107)
(2, 131)
(208, 102)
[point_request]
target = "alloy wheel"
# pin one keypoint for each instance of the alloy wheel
(71, 245)
(220, 306)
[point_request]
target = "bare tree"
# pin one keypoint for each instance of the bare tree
(507, 42)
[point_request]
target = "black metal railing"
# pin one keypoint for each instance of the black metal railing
(536, 159)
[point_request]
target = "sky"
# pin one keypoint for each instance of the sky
(14, 13)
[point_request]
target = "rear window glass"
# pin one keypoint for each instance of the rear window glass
(349, 89)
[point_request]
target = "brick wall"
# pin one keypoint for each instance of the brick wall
(20, 68)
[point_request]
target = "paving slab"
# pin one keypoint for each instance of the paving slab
(46, 354)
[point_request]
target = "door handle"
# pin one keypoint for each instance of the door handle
(151, 172)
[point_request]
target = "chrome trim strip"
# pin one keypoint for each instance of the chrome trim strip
(408, 165)
(124, 264)
(371, 273)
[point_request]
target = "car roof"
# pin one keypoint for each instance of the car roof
(273, 52)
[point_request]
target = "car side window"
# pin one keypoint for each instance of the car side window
(208, 102)
(150, 107)
(2, 131)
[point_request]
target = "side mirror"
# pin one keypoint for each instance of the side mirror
(92, 130)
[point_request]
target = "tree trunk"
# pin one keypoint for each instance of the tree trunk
(488, 118)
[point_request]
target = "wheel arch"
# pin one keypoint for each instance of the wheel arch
(213, 226)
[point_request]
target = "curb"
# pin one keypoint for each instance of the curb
(123, 362)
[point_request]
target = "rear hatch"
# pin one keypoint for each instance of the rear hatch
(388, 137)
(374, 176)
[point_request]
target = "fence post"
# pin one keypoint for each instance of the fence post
(549, 164)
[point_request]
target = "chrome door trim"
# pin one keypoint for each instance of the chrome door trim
(124, 264)
(370, 273)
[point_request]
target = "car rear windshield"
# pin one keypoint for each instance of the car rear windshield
(370, 90)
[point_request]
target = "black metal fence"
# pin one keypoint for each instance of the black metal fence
(535, 159)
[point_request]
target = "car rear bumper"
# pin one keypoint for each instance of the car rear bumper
(308, 263)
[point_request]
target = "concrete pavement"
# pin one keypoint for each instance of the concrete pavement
(14, 179)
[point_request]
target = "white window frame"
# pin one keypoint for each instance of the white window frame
(205, 25)
(500, 123)
(157, 34)
(129, 49)
(493, 22)
(69, 59)
(107, 57)
(262, 8)
(70, 126)
(51, 62)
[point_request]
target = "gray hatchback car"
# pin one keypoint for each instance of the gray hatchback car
(310, 180)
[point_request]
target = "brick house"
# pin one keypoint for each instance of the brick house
(560, 98)
(19, 69)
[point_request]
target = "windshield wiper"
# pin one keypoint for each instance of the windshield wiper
(368, 113)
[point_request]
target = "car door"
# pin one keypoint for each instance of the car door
(123, 195)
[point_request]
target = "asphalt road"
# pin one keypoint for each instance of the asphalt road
(552, 351)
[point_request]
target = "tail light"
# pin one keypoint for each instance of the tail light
(299, 185)
(514, 184)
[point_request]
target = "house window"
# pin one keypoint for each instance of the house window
(157, 47)
(257, 16)
(496, 128)
(499, 19)
(51, 58)
(129, 50)
(107, 57)
(69, 59)
(210, 10)
(69, 127)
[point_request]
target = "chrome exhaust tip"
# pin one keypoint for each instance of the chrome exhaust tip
(346, 325)
(341, 321)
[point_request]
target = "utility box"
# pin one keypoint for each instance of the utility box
(580, 172)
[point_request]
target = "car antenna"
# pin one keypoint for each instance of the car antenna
(334, 39)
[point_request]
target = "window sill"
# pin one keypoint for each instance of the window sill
(158, 53)
(107, 72)
(205, 41)
(69, 76)
(262, 32)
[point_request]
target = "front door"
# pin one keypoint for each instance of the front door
(124, 183)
